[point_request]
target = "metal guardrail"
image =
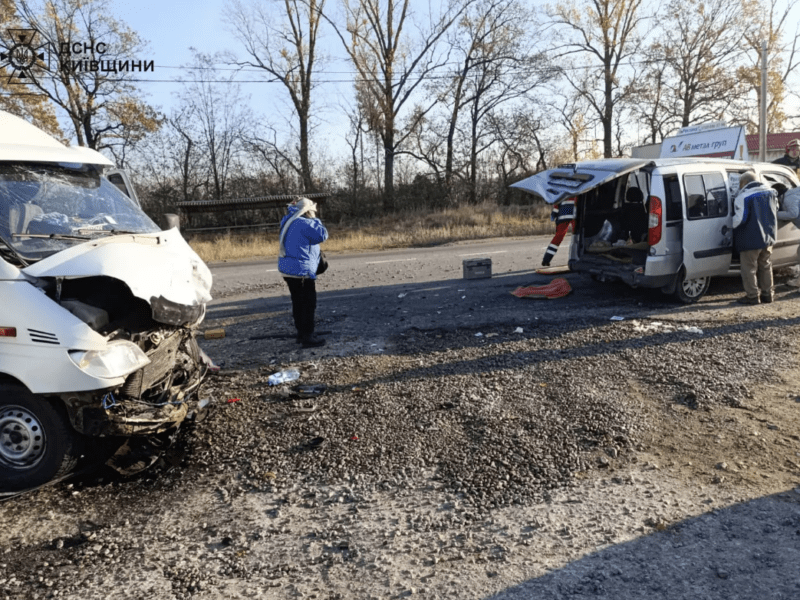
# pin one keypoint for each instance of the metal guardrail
(274, 202)
(247, 203)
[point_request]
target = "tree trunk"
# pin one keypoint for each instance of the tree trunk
(388, 176)
(608, 116)
(305, 164)
(451, 130)
(473, 163)
(186, 170)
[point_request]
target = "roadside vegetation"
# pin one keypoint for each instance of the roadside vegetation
(410, 228)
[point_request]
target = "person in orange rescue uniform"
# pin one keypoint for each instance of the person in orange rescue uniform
(563, 214)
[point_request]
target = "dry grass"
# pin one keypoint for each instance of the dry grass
(406, 230)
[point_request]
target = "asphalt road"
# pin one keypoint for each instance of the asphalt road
(366, 300)
(417, 265)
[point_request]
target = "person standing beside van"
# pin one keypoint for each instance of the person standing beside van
(755, 228)
(563, 214)
(301, 234)
(792, 157)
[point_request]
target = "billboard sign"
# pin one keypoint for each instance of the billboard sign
(727, 142)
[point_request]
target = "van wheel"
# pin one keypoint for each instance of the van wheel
(689, 291)
(37, 443)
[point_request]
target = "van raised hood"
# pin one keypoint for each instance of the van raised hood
(577, 178)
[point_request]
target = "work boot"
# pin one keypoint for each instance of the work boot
(312, 341)
(766, 298)
(748, 300)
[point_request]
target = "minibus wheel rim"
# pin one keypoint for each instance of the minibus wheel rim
(22, 438)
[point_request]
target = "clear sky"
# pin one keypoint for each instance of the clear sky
(171, 27)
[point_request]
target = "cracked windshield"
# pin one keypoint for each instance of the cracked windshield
(45, 209)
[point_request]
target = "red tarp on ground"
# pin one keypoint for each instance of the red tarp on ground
(557, 288)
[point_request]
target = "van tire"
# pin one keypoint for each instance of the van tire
(690, 291)
(37, 442)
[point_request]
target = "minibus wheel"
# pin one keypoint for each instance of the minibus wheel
(37, 443)
(690, 291)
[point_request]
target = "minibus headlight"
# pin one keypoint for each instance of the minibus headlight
(117, 359)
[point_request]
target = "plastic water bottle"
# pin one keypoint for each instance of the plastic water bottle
(283, 376)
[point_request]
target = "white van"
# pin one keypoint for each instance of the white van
(660, 223)
(98, 310)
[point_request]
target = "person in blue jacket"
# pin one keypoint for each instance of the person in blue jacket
(301, 233)
(755, 229)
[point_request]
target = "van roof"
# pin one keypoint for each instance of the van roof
(21, 141)
(625, 164)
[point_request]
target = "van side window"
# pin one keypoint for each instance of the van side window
(706, 196)
(772, 178)
(672, 189)
(117, 180)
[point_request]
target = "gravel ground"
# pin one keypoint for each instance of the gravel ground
(652, 457)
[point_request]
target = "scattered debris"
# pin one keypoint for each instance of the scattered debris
(283, 376)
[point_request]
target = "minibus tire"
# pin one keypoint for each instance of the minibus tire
(37, 442)
(690, 291)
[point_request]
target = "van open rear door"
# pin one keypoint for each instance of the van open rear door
(572, 180)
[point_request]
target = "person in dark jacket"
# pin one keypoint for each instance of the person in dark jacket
(755, 227)
(792, 156)
(301, 234)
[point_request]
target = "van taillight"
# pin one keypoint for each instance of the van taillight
(654, 221)
(8, 332)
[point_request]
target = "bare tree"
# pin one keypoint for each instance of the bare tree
(355, 141)
(215, 117)
(91, 78)
(498, 66)
(571, 110)
(391, 65)
(266, 144)
(701, 44)
(653, 99)
(775, 23)
(603, 35)
(519, 140)
(280, 37)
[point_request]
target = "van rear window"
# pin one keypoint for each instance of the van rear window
(672, 189)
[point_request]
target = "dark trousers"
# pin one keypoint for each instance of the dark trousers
(304, 303)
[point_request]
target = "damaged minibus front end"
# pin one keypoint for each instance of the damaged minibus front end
(98, 355)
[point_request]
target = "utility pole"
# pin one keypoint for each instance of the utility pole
(762, 137)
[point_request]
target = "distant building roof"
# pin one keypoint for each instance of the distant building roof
(776, 142)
